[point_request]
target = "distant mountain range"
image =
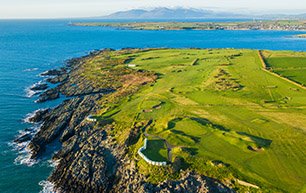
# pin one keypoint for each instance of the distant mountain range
(166, 13)
(184, 13)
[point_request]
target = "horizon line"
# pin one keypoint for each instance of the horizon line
(250, 13)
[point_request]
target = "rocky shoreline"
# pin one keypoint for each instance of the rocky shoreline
(90, 159)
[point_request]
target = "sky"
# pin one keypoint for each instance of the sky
(88, 8)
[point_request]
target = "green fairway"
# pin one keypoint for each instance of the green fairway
(218, 104)
(156, 150)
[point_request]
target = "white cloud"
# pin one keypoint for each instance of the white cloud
(81, 8)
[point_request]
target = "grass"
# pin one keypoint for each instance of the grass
(257, 131)
(156, 150)
(291, 66)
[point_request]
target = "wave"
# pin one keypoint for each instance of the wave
(24, 158)
(47, 187)
(30, 92)
(53, 163)
(30, 69)
(24, 153)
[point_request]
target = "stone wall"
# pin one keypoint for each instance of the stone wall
(146, 158)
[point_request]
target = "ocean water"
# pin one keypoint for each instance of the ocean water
(29, 47)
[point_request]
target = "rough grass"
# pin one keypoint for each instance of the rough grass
(228, 125)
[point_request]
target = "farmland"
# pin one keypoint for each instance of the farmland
(222, 113)
(287, 64)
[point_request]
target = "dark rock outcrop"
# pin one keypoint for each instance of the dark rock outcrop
(38, 115)
(189, 182)
(23, 138)
(39, 86)
(57, 79)
(50, 94)
(54, 72)
(67, 115)
(83, 165)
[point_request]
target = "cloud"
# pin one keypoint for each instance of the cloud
(81, 8)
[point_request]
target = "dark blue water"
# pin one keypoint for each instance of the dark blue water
(28, 48)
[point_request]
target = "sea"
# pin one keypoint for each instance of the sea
(30, 47)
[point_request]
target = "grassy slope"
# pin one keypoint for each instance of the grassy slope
(221, 124)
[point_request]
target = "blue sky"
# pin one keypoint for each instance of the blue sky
(86, 8)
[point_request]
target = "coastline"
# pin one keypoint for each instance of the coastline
(84, 140)
(93, 155)
(200, 26)
(32, 143)
(301, 36)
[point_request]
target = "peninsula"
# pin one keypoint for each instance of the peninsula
(175, 120)
(287, 25)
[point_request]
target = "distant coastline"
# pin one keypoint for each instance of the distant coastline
(281, 25)
(301, 36)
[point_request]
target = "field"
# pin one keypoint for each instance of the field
(221, 113)
(291, 66)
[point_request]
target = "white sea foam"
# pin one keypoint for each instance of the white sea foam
(29, 116)
(24, 158)
(54, 163)
(47, 187)
(30, 93)
(30, 69)
(24, 153)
